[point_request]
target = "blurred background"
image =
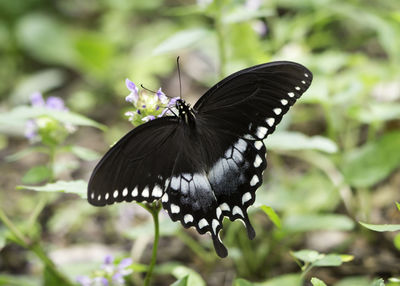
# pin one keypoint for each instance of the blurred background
(332, 163)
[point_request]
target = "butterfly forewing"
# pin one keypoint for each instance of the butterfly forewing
(138, 166)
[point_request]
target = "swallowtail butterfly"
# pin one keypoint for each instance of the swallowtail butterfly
(208, 161)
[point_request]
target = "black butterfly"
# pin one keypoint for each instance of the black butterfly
(207, 162)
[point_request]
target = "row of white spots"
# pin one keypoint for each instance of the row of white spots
(156, 193)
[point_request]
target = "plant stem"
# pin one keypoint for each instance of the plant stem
(220, 37)
(154, 209)
(36, 248)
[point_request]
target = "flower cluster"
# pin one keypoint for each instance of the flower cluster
(45, 128)
(110, 273)
(147, 106)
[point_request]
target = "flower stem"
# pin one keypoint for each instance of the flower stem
(154, 209)
(220, 38)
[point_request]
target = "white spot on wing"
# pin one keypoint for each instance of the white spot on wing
(224, 207)
(187, 218)
(261, 132)
(291, 94)
(215, 224)
(203, 223)
(284, 101)
(125, 192)
(99, 197)
(248, 136)
(258, 145)
(145, 192)
(246, 197)
(277, 111)
(218, 212)
(157, 191)
(175, 209)
(254, 180)
(306, 75)
(257, 161)
(164, 198)
(92, 195)
(107, 196)
(270, 121)
(237, 210)
(135, 192)
(303, 82)
(115, 195)
(297, 87)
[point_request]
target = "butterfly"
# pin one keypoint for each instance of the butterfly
(206, 162)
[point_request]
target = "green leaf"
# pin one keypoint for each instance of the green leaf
(398, 206)
(329, 260)
(381, 227)
(272, 215)
(242, 282)
(13, 280)
(303, 223)
(23, 113)
(317, 282)
(25, 152)
(287, 279)
(373, 162)
(182, 39)
(181, 282)
(284, 141)
(83, 153)
(396, 241)
(78, 187)
(307, 255)
(194, 278)
(378, 282)
(36, 175)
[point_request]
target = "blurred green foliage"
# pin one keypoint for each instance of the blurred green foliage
(333, 161)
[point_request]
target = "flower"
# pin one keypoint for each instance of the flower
(161, 95)
(148, 118)
(55, 103)
(30, 129)
(110, 273)
(37, 99)
(44, 127)
(134, 95)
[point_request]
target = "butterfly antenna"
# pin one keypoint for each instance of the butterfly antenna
(179, 75)
(147, 89)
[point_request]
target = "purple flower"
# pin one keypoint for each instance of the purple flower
(172, 101)
(37, 99)
(84, 280)
(125, 263)
(55, 103)
(30, 129)
(134, 95)
(148, 118)
(118, 278)
(108, 259)
(161, 96)
(130, 114)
